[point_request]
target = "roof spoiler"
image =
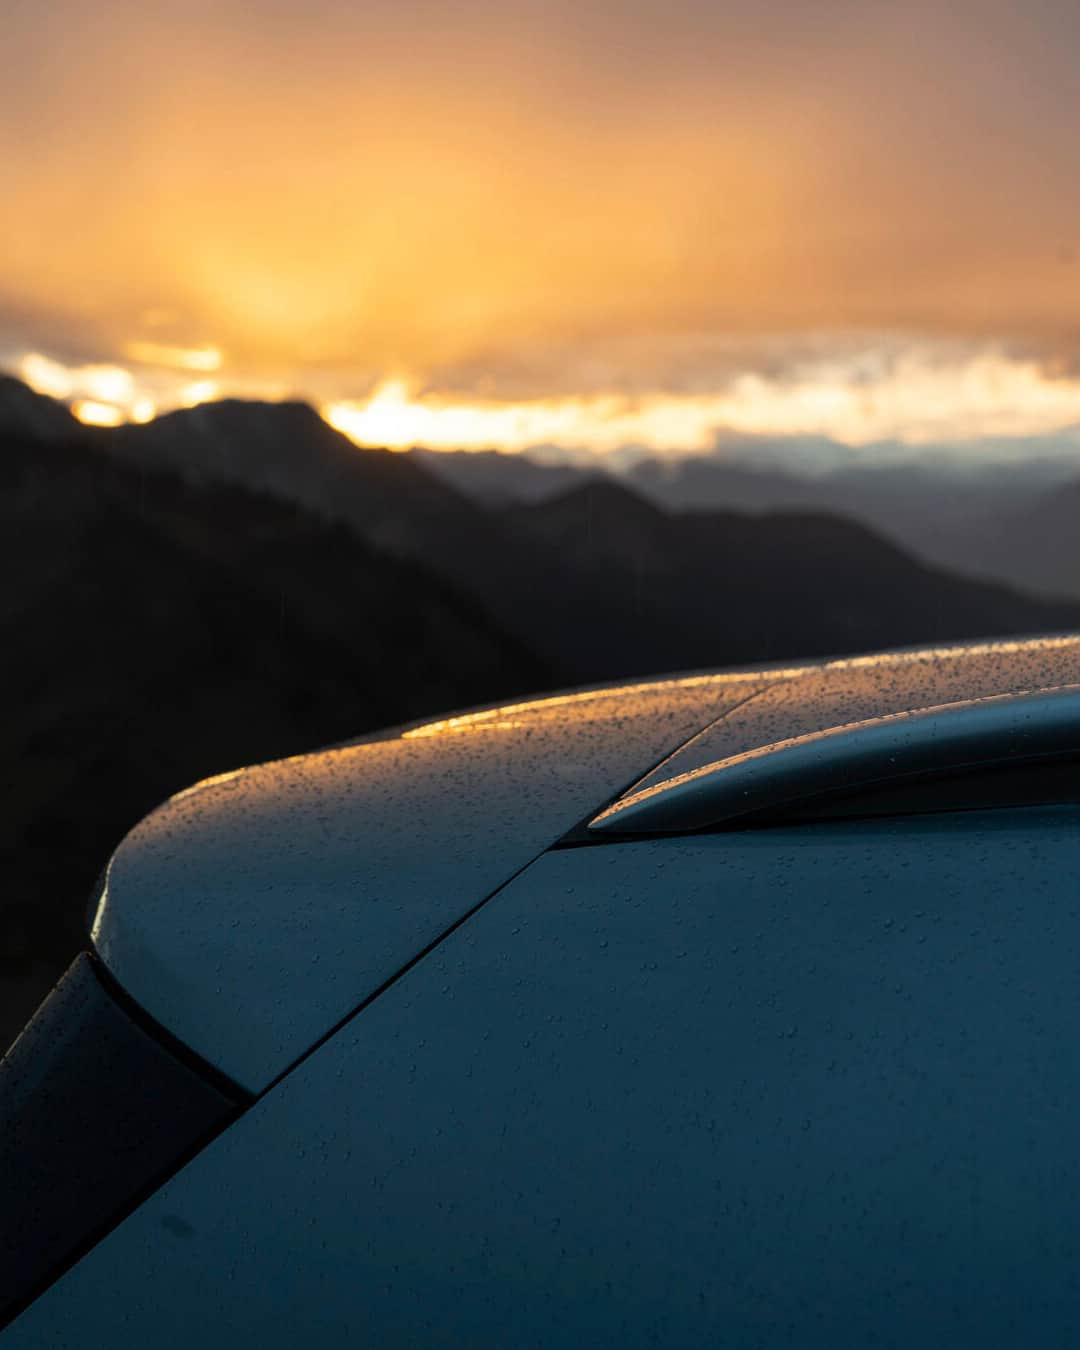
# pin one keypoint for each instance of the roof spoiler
(987, 733)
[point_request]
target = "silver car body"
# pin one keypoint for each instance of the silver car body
(546, 1050)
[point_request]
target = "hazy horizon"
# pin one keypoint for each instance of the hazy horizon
(616, 439)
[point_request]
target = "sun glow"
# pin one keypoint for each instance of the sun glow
(95, 414)
(203, 391)
(108, 384)
(201, 359)
(109, 395)
(394, 418)
(46, 377)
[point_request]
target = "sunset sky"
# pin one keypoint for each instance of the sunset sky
(580, 223)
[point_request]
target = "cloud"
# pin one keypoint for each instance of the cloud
(917, 395)
(814, 397)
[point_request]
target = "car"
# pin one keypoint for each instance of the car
(730, 1009)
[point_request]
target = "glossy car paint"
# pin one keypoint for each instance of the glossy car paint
(806, 1085)
(862, 688)
(1000, 732)
(249, 915)
(252, 913)
(809, 1086)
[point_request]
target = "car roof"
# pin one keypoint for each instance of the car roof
(254, 913)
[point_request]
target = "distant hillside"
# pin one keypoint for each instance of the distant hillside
(396, 505)
(769, 586)
(539, 583)
(1013, 522)
(33, 417)
(599, 582)
(1036, 538)
(287, 451)
(1010, 522)
(496, 479)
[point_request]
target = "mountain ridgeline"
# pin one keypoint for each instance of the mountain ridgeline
(598, 580)
(237, 582)
(1012, 521)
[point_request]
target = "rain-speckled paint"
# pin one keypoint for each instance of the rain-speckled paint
(810, 1087)
(864, 687)
(1002, 731)
(251, 913)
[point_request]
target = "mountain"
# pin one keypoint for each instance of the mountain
(599, 581)
(34, 418)
(286, 450)
(995, 521)
(1012, 522)
(921, 505)
(707, 587)
(1037, 539)
(396, 505)
(536, 571)
(493, 478)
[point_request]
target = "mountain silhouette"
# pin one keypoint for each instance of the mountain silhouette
(393, 503)
(597, 581)
(1037, 539)
(287, 450)
(1012, 522)
(33, 417)
(767, 587)
(493, 478)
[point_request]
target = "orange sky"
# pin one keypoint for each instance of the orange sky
(517, 200)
